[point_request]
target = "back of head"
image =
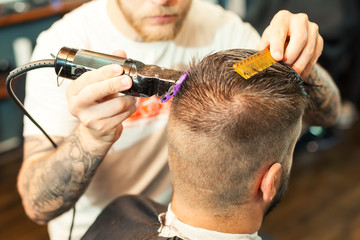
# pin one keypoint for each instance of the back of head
(224, 129)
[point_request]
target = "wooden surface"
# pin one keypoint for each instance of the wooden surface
(14, 224)
(323, 198)
(322, 203)
(40, 12)
(3, 92)
(31, 15)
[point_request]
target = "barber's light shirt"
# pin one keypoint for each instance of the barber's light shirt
(137, 161)
(171, 226)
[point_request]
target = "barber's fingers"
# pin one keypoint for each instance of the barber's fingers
(98, 75)
(99, 90)
(286, 25)
(107, 129)
(310, 53)
(103, 119)
(265, 39)
(112, 107)
(300, 36)
(276, 34)
(120, 53)
(305, 45)
(107, 115)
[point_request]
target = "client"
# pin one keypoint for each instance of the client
(231, 143)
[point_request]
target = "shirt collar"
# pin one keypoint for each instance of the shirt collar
(171, 226)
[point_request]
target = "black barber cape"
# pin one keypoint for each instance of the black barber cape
(128, 217)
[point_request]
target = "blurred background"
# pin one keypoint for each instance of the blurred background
(324, 192)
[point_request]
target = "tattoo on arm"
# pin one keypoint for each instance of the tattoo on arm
(54, 184)
(325, 98)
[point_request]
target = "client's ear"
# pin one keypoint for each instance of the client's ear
(270, 182)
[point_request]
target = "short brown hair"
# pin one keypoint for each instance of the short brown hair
(224, 128)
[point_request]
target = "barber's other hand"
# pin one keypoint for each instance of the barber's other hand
(95, 100)
(305, 45)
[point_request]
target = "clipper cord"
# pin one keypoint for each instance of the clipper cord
(20, 71)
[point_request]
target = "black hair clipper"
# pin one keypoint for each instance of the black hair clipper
(147, 80)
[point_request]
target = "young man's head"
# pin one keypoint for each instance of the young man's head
(155, 20)
(231, 140)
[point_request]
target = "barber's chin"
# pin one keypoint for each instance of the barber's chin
(163, 32)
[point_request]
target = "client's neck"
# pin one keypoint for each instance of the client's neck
(244, 220)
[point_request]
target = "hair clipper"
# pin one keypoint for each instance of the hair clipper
(147, 80)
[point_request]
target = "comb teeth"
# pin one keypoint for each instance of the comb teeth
(254, 64)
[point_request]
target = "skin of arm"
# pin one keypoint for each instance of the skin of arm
(69, 168)
(325, 97)
(51, 180)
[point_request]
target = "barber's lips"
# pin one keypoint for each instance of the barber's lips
(163, 19)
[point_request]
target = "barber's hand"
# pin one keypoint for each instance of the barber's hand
(305, 45)
(95, 100)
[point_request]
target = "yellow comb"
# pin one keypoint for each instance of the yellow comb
(250, 66)
(258, 62)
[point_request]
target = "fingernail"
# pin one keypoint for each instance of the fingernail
(126, 82)
(117, 68)
(277, 55)
(261, 46)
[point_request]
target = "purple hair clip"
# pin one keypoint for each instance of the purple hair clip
(174, 90)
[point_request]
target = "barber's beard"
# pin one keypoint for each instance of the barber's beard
(156, 32)
(279, 194)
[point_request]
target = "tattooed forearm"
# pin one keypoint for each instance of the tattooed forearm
(52, 185)
(39, 144)
(325, 98)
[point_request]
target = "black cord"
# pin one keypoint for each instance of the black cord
(20, 71)
(17, 72)
(72, 222)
